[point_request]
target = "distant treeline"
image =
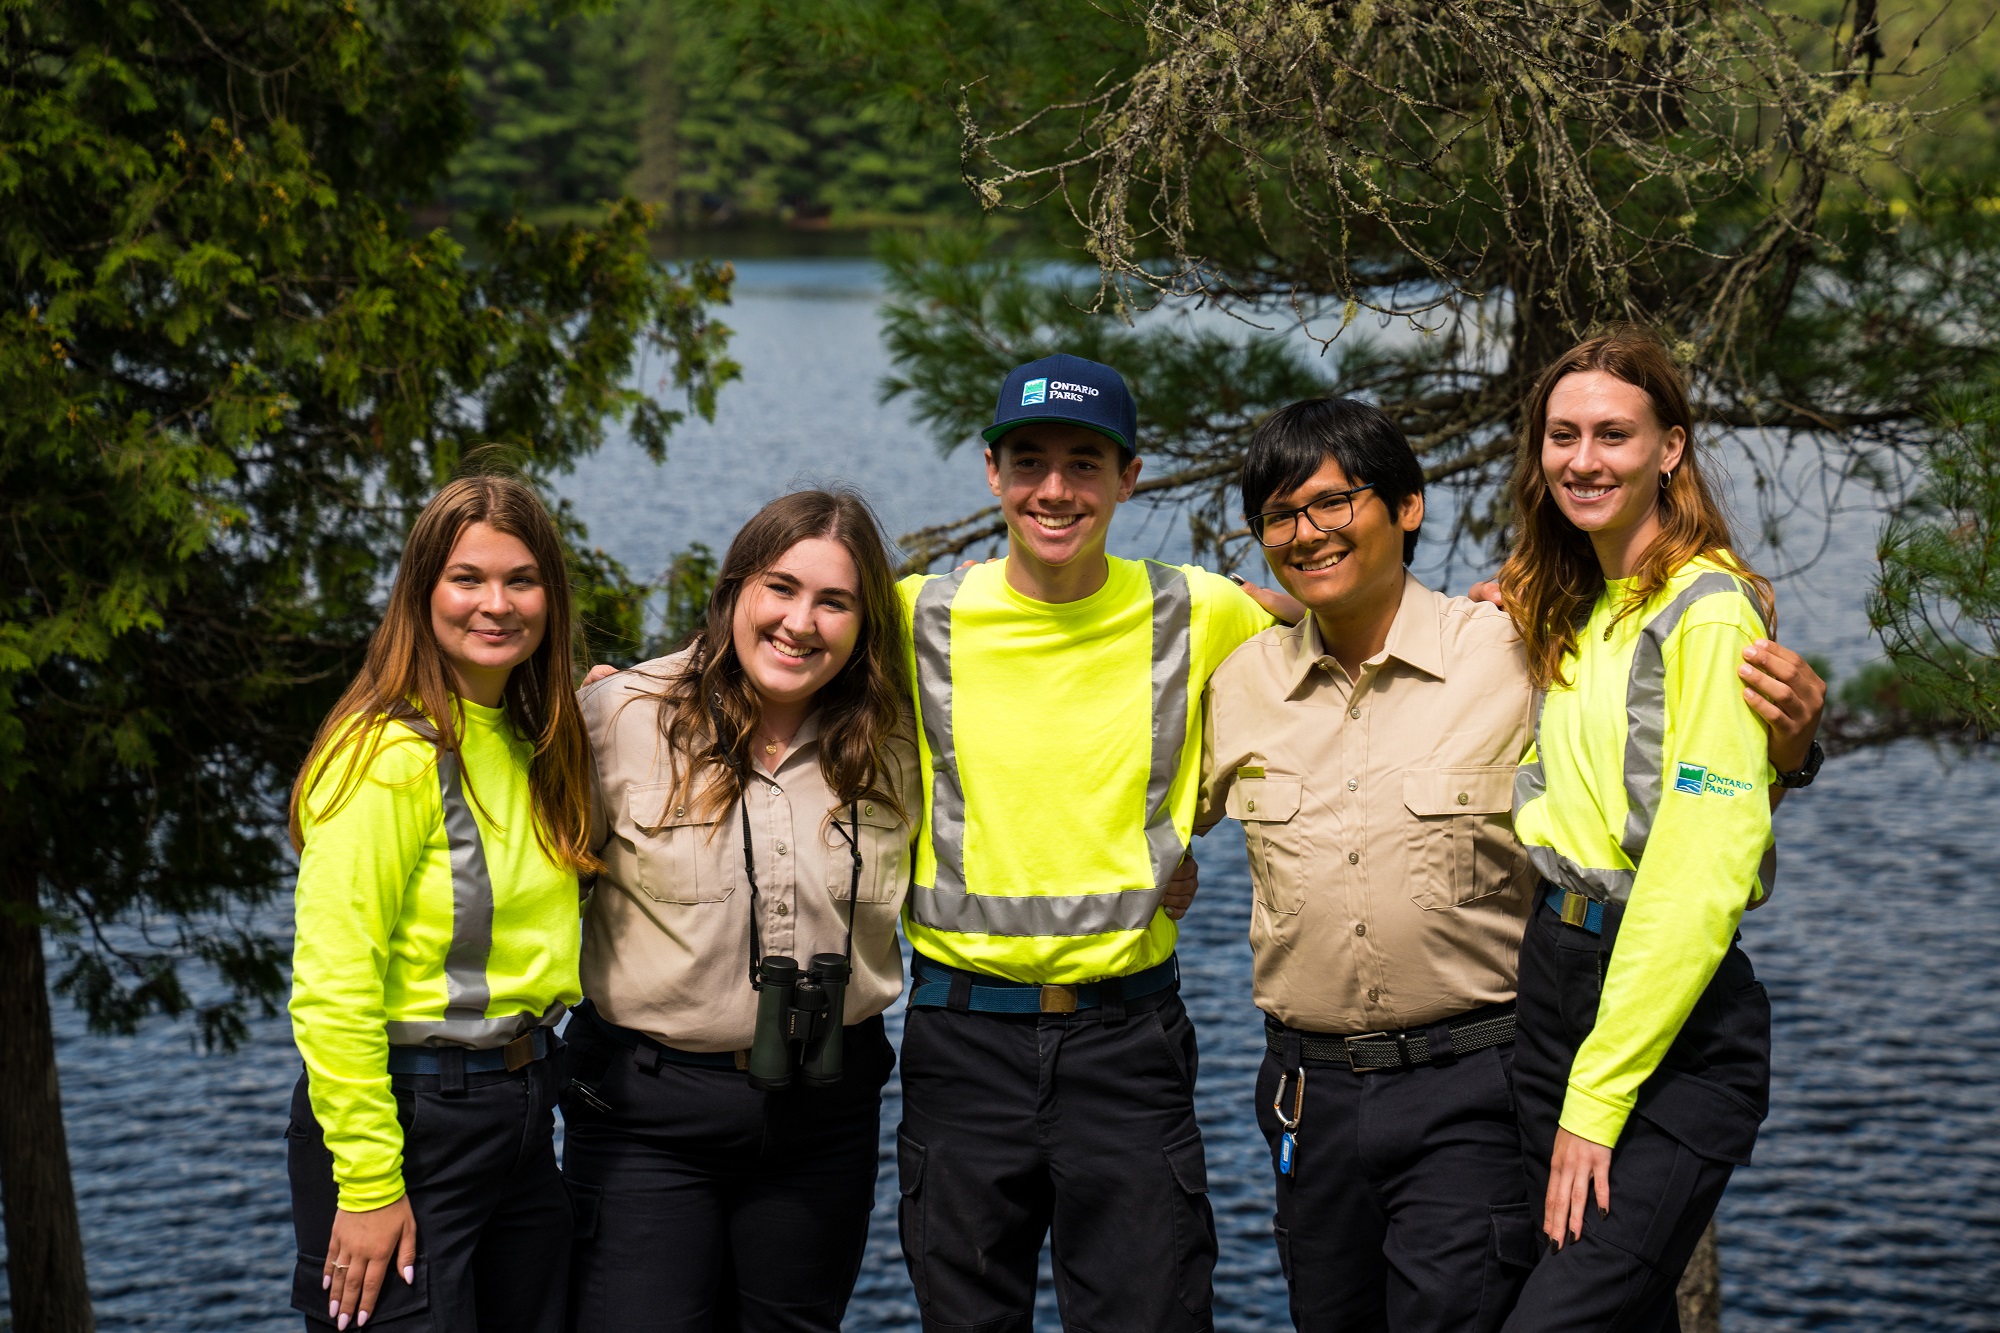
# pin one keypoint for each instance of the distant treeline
(659, 100)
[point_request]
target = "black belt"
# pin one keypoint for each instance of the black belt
(524, 1050)
(1396, 1050)
(652, 1054)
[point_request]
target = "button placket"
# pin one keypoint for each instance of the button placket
(781, 923)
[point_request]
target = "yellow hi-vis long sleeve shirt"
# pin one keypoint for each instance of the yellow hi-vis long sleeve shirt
(1061, 764)
(428, 915)
(1646, 786)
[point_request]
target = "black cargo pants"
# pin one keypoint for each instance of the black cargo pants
(704, 1205)
(1081, 1124)
(1405, 1208)
(1695, 1122)
(493, 1220)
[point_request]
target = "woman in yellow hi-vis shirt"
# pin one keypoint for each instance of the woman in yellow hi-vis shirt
(442, 819)
(1642, 1064)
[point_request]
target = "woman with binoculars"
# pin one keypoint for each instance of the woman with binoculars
(754, 820)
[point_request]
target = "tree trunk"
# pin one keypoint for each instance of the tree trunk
(1701, 1288)
(44, 1242)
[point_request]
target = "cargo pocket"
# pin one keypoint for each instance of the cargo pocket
(1278, 846)
(1194, 1226)
(910, 1157)
(1510, 1253)
(396, 1300)
(1462, 836)
(1283, 1239)
(672, 843)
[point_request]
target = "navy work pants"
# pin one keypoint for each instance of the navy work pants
(1082, 1124)
(493, 1222)
(704, 1205)
(1405, 1211)
(1695, 1122)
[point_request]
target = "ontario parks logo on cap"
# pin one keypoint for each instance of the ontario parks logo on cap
(1689, 778)
(1034, 392)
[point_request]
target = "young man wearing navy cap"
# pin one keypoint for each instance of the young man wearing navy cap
(1048, 1064)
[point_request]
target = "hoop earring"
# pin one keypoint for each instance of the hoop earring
(1666, 478)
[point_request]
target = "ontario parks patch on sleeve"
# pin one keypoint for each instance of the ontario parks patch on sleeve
(1696, 780)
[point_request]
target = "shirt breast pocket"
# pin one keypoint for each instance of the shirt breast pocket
(677, 860)
(885, 854)
(1462, 836)
(1276, 839)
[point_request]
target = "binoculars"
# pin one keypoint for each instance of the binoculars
(799, 1022)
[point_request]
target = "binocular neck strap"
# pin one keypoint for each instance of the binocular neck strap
(735, 762)
(854, 877)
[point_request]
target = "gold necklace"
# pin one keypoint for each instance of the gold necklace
(770, 746)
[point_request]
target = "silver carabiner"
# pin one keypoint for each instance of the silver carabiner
(1298, 1099)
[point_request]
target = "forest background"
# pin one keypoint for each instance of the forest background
(276, 267)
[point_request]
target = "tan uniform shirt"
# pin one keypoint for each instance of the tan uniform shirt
(666, 935)
(1390, 892)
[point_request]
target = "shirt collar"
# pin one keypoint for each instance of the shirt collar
(1415, 638)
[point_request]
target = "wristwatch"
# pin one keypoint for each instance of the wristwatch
(1804, 775)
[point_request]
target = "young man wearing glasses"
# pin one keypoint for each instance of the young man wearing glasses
(1369, 752)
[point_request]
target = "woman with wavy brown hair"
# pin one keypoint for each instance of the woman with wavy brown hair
(755, 798)
(1642, 1060)
(442, 819)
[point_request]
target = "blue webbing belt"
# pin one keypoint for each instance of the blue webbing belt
(427, 1060)
(1575, 909)
(992, 995)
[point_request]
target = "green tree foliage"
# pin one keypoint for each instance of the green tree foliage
(1936, 600)
(230, 369)
(565, 109)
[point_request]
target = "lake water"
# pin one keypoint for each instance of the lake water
(1874, 1201)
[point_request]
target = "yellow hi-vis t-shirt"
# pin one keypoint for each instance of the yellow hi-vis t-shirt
(1061, 756)
(397, 945)
(1647, 785)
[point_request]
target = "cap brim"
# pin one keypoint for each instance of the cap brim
(999, 428)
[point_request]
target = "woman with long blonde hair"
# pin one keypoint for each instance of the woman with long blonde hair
(1642, 1060)
(442, 820)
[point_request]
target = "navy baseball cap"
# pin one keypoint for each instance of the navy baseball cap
(1067, 388)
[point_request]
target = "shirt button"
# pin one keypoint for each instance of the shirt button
(1361, 928)
(783, 910)
(679, 810)
(1352, 784)
(1354, 858)
(1249, 805)
(1464, 799)
(781, 849)
(1373, 995)
(1354, 712)
(867, 809)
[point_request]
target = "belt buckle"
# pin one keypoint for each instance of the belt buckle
(1352, 1062)
(520, 1052)
(1058, 999)
(1576, 908)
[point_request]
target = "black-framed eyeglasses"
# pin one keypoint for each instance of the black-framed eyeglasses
(1329, 513)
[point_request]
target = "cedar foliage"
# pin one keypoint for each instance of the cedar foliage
(232, 367)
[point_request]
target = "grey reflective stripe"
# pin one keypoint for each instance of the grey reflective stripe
(466, 993)
(1529, 779)
(1606, 886)
(1646, 711)
(1173, 621)
(466, 990)
(930, 626)
(477, 1033)
(948, 906)
(1042, 914)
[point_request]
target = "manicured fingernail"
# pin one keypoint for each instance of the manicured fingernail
(325, 1281)
(342, 1322)
(1238, 578)
(409, 1275)
(361, 1319)
(332, 1309)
